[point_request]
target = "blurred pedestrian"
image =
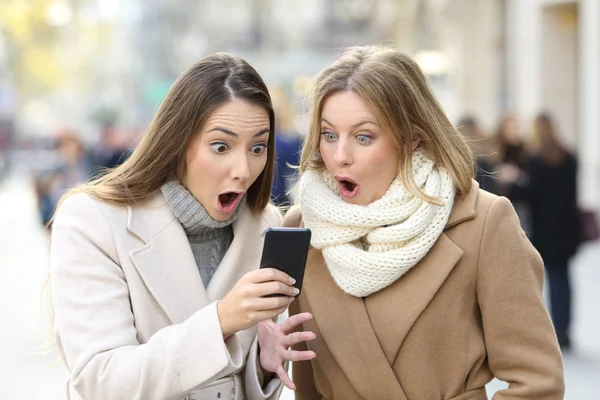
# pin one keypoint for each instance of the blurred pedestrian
(108, 153)
(511, 165)
(483, 151)
(552, 194)
(288, 145)
(69, 172)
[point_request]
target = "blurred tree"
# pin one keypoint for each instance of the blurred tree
(32, 40)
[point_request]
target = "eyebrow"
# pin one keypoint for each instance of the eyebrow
(232, 133)
(355, 125)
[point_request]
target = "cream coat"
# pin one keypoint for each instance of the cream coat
(133, 319)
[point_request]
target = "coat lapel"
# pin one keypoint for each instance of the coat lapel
(242, 256)
(394, 310)
(167, 265)
(165, 262)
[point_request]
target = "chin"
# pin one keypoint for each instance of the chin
(353, 201)
(218, 216)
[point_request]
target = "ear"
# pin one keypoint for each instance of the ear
(416, 143)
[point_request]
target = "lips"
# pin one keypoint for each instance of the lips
(228, 201)
(348, 187)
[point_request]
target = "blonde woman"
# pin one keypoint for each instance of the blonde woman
(154, 267)
(422, 286)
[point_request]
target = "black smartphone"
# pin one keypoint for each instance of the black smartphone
(286, 249)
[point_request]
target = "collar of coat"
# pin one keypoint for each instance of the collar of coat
(165, 261)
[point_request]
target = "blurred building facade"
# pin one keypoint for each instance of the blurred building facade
(87, 62)
(554, 65)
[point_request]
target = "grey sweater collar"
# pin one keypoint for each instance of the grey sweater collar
(192, 215)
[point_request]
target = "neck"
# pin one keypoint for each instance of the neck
(190, 212)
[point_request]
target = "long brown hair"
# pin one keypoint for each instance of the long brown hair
(396, 91)
(545, 143)
(204, 86)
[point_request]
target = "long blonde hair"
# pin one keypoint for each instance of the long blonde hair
(204, 86)
(396, 91)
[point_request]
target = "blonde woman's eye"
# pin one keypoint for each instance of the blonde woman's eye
(329, 136)
(364, 139)
(219, 147)
(259, 148)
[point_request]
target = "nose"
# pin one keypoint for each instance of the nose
(240, 170)
(343, 153)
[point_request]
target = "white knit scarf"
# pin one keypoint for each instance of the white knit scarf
(367, 248)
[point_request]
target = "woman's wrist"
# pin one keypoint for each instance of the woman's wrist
(266, 375)
(221, 314)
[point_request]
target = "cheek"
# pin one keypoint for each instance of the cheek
(383, 165)
(201, 167)
(327, 151)
(258, 165)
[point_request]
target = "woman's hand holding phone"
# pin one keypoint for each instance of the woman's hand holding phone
(246, 305)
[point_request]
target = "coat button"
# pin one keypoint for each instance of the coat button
(219, 395)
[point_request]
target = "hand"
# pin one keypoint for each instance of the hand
(508, 173)
(275, 340)
(245, 305)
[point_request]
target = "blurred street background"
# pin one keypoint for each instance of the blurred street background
(80, 80)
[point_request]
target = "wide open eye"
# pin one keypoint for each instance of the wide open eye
(219, 147)
(259, 148)
(329, 136)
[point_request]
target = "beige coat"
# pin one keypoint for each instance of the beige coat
(133, 319)
(469, 311)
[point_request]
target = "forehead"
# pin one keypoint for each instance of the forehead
(237, 112)
(347, 105)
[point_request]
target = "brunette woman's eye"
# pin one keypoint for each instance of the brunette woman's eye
(259, 148)
(219, 147)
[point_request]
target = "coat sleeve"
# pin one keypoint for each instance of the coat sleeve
(95, 325)
(520, 340)
(254, 385)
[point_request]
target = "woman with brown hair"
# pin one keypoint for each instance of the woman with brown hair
(552, 193)
(154, 266)
(421, 285)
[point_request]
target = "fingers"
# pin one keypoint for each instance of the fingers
(274, 287)
(285, 378)
(298, 337)
(294, 355)
(271, 303)
(292, 322)
(270, 274)
(263, 315)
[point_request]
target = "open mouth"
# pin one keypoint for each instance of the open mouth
(348, 188)
(228, 201)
